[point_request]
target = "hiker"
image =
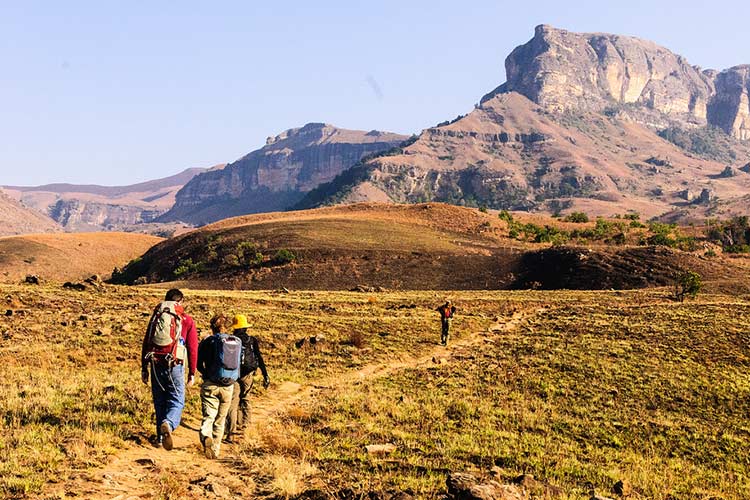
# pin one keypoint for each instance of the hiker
(170, 340)
(219, 364)
(251, 360)
(447, 311)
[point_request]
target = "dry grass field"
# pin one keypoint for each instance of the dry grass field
(579, 389)
(69, 256)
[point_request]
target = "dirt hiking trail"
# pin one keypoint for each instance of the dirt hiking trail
(145, 472)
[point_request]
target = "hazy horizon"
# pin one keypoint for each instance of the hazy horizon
(116, 95)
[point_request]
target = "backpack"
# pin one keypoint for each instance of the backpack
(225, 367)
(164, 329)
(447, 312)
(249, 360)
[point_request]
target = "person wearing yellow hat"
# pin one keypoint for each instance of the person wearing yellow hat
(250, 360)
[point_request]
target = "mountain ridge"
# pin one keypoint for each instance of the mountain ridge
(277, 175)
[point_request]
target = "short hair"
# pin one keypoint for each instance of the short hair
(219, 323)
(175, 295)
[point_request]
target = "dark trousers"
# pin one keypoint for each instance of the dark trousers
(446, 322)
(239, 412)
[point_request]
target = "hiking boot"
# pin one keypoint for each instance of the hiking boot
(166, 435)
(208, 448)
(155, 441)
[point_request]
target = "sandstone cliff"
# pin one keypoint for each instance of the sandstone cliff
(562, 70)
(593, 122)
(277, 175)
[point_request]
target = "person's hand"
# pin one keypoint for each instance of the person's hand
(266, 382)
(144, 376)
(191, 380)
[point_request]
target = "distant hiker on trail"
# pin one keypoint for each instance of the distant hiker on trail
(219, 363)
(170, 340)
(251, 360)
(447, 311)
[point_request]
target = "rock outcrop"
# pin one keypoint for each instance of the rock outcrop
(277, 175)
(562, 70)
(79, 215)
(730, 107)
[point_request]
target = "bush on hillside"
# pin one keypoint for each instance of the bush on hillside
(709, 142)
(733, 235)
(578, 217)
(687, 283)
(283, 256)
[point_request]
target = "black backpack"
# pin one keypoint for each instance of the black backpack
(249, 358)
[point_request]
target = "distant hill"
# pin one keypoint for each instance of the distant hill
(15, 218)
(278, 175)
(601, 123)
(68, 257)
(96, 208)
(423, 246)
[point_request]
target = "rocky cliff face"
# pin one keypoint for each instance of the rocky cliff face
(594, 122)
(79, 215)
(277, 175)
(562, 70)
(730, 107)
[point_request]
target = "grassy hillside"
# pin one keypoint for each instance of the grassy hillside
(580, 389)
(63, 257)
(427, 246)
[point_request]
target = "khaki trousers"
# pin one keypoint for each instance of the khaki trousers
(239, 411)
(215, 403)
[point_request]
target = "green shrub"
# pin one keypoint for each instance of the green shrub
(186, 267)
(506, 216)
(578, 217)
(733, 235)
(708, 142)
(248, 254)
(283, 256)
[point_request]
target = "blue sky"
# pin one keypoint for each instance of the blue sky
(120, 92)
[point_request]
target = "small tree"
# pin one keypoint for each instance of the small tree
(687, 283)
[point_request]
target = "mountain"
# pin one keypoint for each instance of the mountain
(595, 122)
(15, 218)
(92, 207)
(562, 70)
(277, 175)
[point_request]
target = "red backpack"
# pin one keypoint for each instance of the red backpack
(164, 330)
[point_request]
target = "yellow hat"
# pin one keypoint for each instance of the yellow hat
(240, 322)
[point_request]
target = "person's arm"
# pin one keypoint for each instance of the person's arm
(261, 363)
(144, 363)
(202, 354)
(191, 343)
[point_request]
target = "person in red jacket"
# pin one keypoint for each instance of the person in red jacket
(447, 311)
(166, 367)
